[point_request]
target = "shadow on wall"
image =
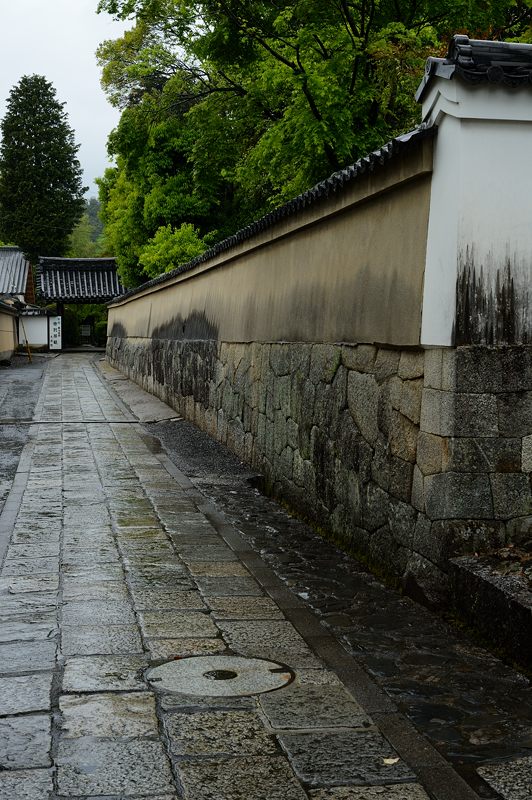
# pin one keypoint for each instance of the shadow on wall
(196, 326)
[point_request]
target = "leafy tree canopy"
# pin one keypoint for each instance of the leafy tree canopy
(41, 192)
(171, 248)
(230, 107)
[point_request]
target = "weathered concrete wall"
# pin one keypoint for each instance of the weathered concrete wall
(347, 268)
(405, 456)
(8, 334)
(479, 256)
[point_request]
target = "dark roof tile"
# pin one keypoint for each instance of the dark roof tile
(478, 61)
(78, 280)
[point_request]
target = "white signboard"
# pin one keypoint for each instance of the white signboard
(54, 333)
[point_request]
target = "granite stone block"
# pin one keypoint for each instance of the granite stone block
(360, 358)
(30, 784)
(89, 766)
(453, 495)
(104, 673)
(108, 715)
(511, 779)
(515, 413)
(362, 398)
(355, 757)
(25, 742)
(177, 624)
(403, 791)
(252, 778)
(219, 733)
(311, 707)
(22, 693)
(411, 364)
(512, 495)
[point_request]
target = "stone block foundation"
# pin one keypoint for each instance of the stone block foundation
(405, 457)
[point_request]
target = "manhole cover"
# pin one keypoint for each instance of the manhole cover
(219, 676)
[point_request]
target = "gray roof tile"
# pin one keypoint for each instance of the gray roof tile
(78, 280)
(13, 271)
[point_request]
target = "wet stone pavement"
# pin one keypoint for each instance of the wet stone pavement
(19, 391)
(119, 571)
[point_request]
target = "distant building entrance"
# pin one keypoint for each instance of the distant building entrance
(78, 282)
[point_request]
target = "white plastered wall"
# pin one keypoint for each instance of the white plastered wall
(481, 195)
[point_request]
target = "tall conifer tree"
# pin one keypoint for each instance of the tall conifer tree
(41, 192)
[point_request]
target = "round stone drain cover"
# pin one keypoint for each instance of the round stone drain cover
(219, 676)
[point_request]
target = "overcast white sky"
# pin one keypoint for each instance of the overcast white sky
(58, 39)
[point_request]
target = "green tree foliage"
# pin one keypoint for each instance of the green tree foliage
(171, 248)
(231, 107)
(41, 192)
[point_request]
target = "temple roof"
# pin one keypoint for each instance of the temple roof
(78, 280)
(477, 61)
(13, 271)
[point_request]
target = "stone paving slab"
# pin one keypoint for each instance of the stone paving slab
(17, 657)
(137, 797)
(42, 548)
(177, 624)
(278, 641)
(28, 566)
(104, 673)
(512, 779)
(255, 778)
(166, 600)
(22, 605)
(95, 640)
(219, 733)
(164, 649)
(310, 707)
(97, 591)
(22, 693)
(20, 584)
(407, 791)
(358, 757)
(89, 574)
(216, 569)
(25, 742)
(229, 586)
(88, 766)
(42, 627)
(147, 577)
(241, 608)
(129, 715)
(34, 784)
(112, 612)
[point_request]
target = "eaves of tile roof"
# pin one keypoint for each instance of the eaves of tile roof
(332, 185)
(13, 271)
(477, 61)
(78, 280)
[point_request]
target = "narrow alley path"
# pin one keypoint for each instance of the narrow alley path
(117, 573)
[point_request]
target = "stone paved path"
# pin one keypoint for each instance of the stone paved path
(114, 563)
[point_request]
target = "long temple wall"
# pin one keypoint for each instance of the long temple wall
(300, 349)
